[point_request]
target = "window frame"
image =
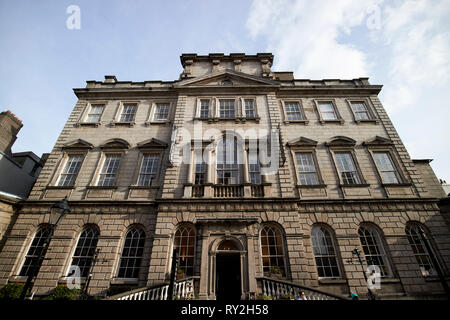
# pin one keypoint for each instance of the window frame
(338, 119)
(244, 109)
(383, 253)
(63, 166)
(370, 111)
(235, 108)
(119, 112)
(198, 110)
(236, 169)
(124, 238)
(152, 111)
(351, 151)
(283, 246)
(85, 114)
(296, 151)
(85, 227)
(434, 250)
(194, 246)
(103, 158)
(398, 172)
(303, 119)
(142, 155)
(335, 248)
(26, 254)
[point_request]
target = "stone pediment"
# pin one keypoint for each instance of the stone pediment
(341, 141)
(115, 143)
(227, 78)
(302, 142)
(152, 144)
(378, 141)
(78, 144)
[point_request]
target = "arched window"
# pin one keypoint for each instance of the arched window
(324, 253)
(272, 248)
(413, 231)
(85, 250)
(131, 258)
(184, 242)
(35, 250)
(227, 162)
(374, 249)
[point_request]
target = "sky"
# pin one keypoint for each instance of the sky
(403, 45)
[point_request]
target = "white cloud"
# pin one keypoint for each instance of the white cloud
(404, 44)
(304, 35)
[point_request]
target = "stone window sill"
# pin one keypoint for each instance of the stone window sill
(144, 187)
(101, 187)
(340, 121)
(305, 122)
(311, 186)
(362, 185)
(332, 281)
(125, 124)
(60, 187)
(148, 123)
(124, 281)
(390, 185)
(88, 124)
(375, 121)
(18, 279)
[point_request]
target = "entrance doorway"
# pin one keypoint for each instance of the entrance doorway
(228, 276)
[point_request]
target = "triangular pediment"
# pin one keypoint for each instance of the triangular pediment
(115, 143)
(378, 141)
(227, 78)
(302, 142)
(341, 141)
(152, 144)
(78, 144)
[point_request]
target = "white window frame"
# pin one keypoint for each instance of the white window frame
(338, 119)
(99, 174)
(369, 109)
(155, 179)
(336, 251)
(218, 109)
(300, 110)
(360, 177)
(151, 117)
(84, 116)
(244, 109)
(64, 167)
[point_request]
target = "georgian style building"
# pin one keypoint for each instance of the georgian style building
(253, 176)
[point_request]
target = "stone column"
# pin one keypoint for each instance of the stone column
(203, 290)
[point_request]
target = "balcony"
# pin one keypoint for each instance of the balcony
(227, 191)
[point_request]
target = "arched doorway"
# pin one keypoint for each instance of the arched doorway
(228, 271)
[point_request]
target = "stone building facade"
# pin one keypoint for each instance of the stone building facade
(142, 165)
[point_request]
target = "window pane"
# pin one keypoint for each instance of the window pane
(95, 113)
(226, 109)
(347, 168)
(149, 169)
(272, 250)
(161, 112)
(373, 249)
(131, 258)
(249, 108)
(204, 109)
(85, 250)
(37, 246)
(306, 169)
(324, 253)
(292, 111)
(70, 171)
(420, 250)
(128, 113)
(327, 111)
(386, 167)
(184, 241)
(109, 170)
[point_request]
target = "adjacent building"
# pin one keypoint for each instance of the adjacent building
(252, 175)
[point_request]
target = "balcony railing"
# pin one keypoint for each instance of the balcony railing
(257, 190)
(198, 191)
(228, 191)
(278, 288)
(182, 290)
